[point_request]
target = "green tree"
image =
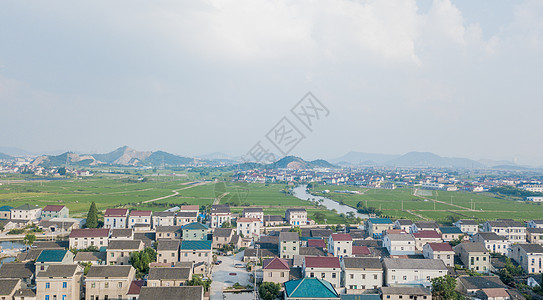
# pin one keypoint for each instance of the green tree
(296, 229)
(140, 261)
(319, 217)
(197, 280)
(443, 288)
(269, 290)
(92, 216)
(86, 267)
(61, 171)
(29, 239)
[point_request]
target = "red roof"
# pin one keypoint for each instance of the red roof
(116, 212)
(53, 207)
(275, 263)
(140, 213)
(396, 231)
(440, 246)
(427, 234)
(316, 243)
(90, 232)
(135, 287)
(341, 237)
(322, 262)
(244, 220)
(361, 250)
(190, 207)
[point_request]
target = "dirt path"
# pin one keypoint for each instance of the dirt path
(176, 192)
(218, 199)
(417, 215)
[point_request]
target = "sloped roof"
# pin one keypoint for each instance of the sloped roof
(467, 222)
(361, 250)
(169, 273)
(52, 255)
(247, 220)
(222, 232)
(53, 208)
(472, 247)
(58, 271)
(405, 290)
(318, 243)
(322, 262)
(289, 236)
(400, 237)
(440, 246)
(195, 245)
(341, 237)
(323, 233)
(7, 286)
(362, 263)
(124, 245)
(275, 263)
(5, 208)
(116, 212)
(195, 226)
(135, 287)
(26, 207)
(310, 287)
(169, 228)
(253, 210)
(90, 256)
(491, 236)
(450, 230)
(426, 234)
(531, 248)
(481, 282)
(189, 207)
(90, 232)
(404, 222)
(171, 292)
(380, 220)
(122, 232)
(168, 245)
(109, 271)
(17, 270)
(140, 213)
(415, 263)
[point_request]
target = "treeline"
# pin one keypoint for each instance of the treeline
(513, 192)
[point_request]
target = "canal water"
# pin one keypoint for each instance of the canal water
(5, 245)
(300, 192)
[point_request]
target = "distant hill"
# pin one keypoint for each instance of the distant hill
(362, 158)
(5, 156)
(12, 151)
(125, 156)
(294, 162)
(427, 159)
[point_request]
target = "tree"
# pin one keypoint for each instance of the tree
(92, 216)
(443, 288)
(296, 229)
(29, 239)
(269, 290)
(319, 217)
(140, 261)
(197, 280)
(61, 171)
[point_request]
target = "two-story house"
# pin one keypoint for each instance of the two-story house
(423, 237)
(163, 218)
(89, 237)
(220, 214)
(514, 231)
(469, 227)
(323, 267)
(62, 282)
(376, 226)
(26, 212)
(403, 224)
(474, 256)
(493, 242)
(183, 218)
(108, 282)
(169, 232)
(248, 227)
(528, 256)
(196, 252)
(195, 232)
(289, 244)
(442, 251)
(116, 218)
(399, 244)
(173, 276)
(534, 235)
(222, 236)
(275, 270)
(400, 271)
(140, 217)
(340, 244)
(361, 273)
(253, 212)
(54, 211)
(168, 251)
(296, 216)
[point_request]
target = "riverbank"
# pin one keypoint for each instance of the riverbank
(300, 192)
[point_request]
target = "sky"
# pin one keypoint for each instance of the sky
(456, 78)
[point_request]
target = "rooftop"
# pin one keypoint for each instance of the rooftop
(222, 232)
(125, 245)
(468, 222)
(275, 263)
(53, 208)
(17, 270)
(440, 246)
(426, 234)
(195, 245)
(531, 248)
(253, 210)
(118, 233)
(195, 226)
(171, 292)
(59, 271)
(380, 220)
(318, 243)
(289, 236)
(247, 220)
(362, 263)
(116, 212)
(322, 262)
(405, 290)
(169, 273)
(341, 237)
(481, 282)
(7, 286)
(109, 271)
(168, 245)
(89, 232)
(52, 255)
(472, 247)
(313, 288)
(415, 263)
(400, 237)
(26, 207)
(140, 213)
(450, 230)
(491, 236)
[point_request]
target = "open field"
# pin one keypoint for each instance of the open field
(437, 205)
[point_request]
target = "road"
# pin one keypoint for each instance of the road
(222, 278)
(176, 192)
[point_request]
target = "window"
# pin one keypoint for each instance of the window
(93, 285)
(312, 275)
(47, 285)
(106, 285)
(46, 297)
(333, 275)
(63, 297)
(374, 276)
(351, 276)
(120, 284)
(64, 285)
(405, 278)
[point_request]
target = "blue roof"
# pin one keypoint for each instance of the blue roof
(450, 230)
(360, 297)
(195, 226)
(195, 245)
(310, 287)
(380, 221)
(6, 208)
(56, 255)
(307, 238)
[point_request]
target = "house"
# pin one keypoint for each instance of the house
(60, 282)
(55, 211)
(172, 292)
(469, 285)
(275, 270)
(273, 220)
(376, 226)
(135, 289)
(493, 242)
(424, 225)
(169, 232)
(94, 258)
(8, 287)
(5, 212)
(248, 227)
(23, 271)
(442, 251)
(310, 288)
(121, 234)
(173, 276)
(405, 292)
(222, 236)
(296, 216)
(168, 251)
(531, 224)
(493, 294)
(357, 234)
(196, 252)
(220, 214)
(449, 233)
(289, 244)
(340, 244)
(323, 267)
(534, 235)
(361, 251)
(58, 226)
(423, 237)
(140, 217)
(403, 224)
(118, 251)
(49, 257)
(316, 243)
(469, 227)
(474, 256)
(189, 208)
(514, 231)
(361, 273)
(116, 218)
(163, 218)
(108, 282)
(195, 232)
(399, 244)
(26, 212)
(186, 217)
(89, 237)
(528, 256)
(256, 255)
(401, 271)
(253, 212)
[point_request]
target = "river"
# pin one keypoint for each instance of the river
(301, 193)
(5, 245)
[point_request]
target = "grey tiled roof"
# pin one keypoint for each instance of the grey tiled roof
(405, 290)
(362, 263)
(418, 264)
(169, 273)
(109, 271)
(17, 270)
(124, 245)
(171, 292)
(58, 271)
(168, 245)
(7, 286)
(289, 236)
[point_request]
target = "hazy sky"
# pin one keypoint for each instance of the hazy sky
(457, 78)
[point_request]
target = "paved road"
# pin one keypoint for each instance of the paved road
(222, 278)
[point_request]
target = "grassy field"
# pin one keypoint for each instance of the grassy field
(437, 205)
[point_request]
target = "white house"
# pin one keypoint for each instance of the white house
(220, 214)
(84, 238)
(323, 267)
(139, 217)
(442, 251)
(26, 212)
(361, 273)
(399, 244)
(469, 227)
(400, 271)
(248, 227)
(340, 244)
(116, 218)
(493, 242)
